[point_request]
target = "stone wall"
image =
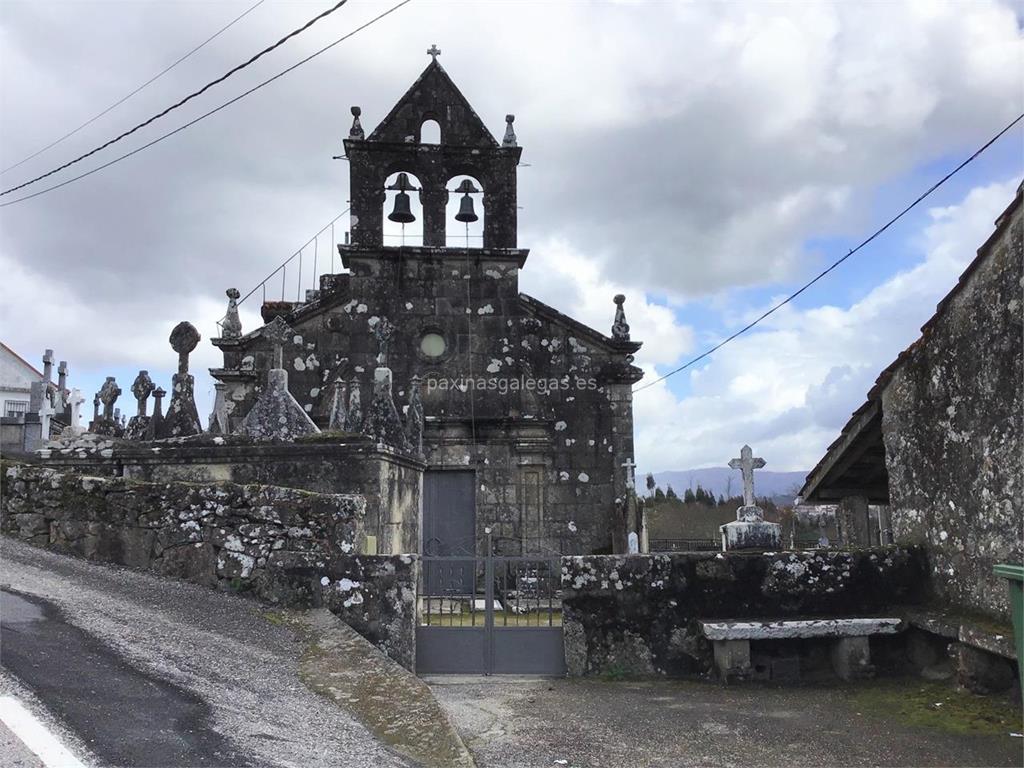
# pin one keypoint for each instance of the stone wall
(272, 542)
(638, 614)
(376, 596)
(390, 483)
(952, 420)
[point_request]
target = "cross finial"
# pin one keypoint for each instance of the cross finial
(746, 463)
(433, 51)
(630, 476)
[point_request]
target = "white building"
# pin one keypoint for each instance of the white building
(16, 377)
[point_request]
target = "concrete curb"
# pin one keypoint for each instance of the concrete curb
(394, 704)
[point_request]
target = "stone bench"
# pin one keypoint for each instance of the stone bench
(851, 654)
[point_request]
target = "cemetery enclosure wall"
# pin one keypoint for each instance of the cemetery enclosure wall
(637, 614)
(389, 482)
(273, 542)
(953, 424)
(376, 596)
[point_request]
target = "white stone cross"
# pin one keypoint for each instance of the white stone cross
(746, 463)
(433, 51)
(630, 476)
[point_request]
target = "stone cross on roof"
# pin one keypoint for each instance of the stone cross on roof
(433, 51)
(277, 332)
(184, 338)
(746, 463)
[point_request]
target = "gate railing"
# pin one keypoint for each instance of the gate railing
(495, 591)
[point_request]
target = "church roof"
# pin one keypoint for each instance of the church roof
(434, 97)
(585, 331)
(854, 464)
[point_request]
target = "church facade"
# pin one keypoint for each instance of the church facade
(528, 427)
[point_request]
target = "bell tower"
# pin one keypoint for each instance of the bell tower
(466, 148)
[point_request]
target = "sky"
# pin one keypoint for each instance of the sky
(705, 159)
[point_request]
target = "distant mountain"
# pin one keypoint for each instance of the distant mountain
(780, 487)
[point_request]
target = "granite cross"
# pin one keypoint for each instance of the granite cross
(433, 51)
(746, 463)
(184, 338)
(630, 476)
(277, 332)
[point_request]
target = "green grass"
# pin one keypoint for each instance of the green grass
(501, 619)
(937, 705)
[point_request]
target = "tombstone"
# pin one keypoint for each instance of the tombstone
(354, 417)
(218, 424)
(231, 328)
(48, 366)
(276, 415)
(62, 402)
(634, 543)
(40, 409)
(104, 422)
(182, 418)
(62, 375)
(74, 414)
(142, 388)
(157, 419)
(383, 330)
(382, 421)
(336, 422)
(414, 417)
(749, 531)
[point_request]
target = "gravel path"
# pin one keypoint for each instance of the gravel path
(530, 722)
(221, 647)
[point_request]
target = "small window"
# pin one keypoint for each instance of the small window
(14, 409)
(432, 345)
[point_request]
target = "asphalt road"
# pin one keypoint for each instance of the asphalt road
(145, 671)
(132, 717)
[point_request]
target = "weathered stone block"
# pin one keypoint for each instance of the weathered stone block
(851, 658)
(982, 672)
(755, 534)
(732, 658)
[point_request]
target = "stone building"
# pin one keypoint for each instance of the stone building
(35, 408)
(528, 413)
(940, 438)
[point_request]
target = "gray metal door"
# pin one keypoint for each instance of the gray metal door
(449, 529)
(504, 616)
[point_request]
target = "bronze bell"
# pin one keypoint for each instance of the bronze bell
(466, 212)
(401, 213)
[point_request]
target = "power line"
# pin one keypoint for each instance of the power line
(835, 264)
(213, 111)
(185, 100)
(125, 98)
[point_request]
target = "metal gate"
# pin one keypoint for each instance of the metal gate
(490, 615)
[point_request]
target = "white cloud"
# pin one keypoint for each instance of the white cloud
(570, 282)
(788, 387)
(682, 149)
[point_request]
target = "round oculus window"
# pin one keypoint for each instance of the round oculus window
(432, 345)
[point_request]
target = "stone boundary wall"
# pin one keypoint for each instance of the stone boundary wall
(637, 614)
(272, 542)
(376, 596)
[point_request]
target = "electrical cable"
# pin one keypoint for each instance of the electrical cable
(125, 98)
(836, 263)
(182, 102)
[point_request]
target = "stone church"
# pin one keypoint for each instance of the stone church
(528, 423)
